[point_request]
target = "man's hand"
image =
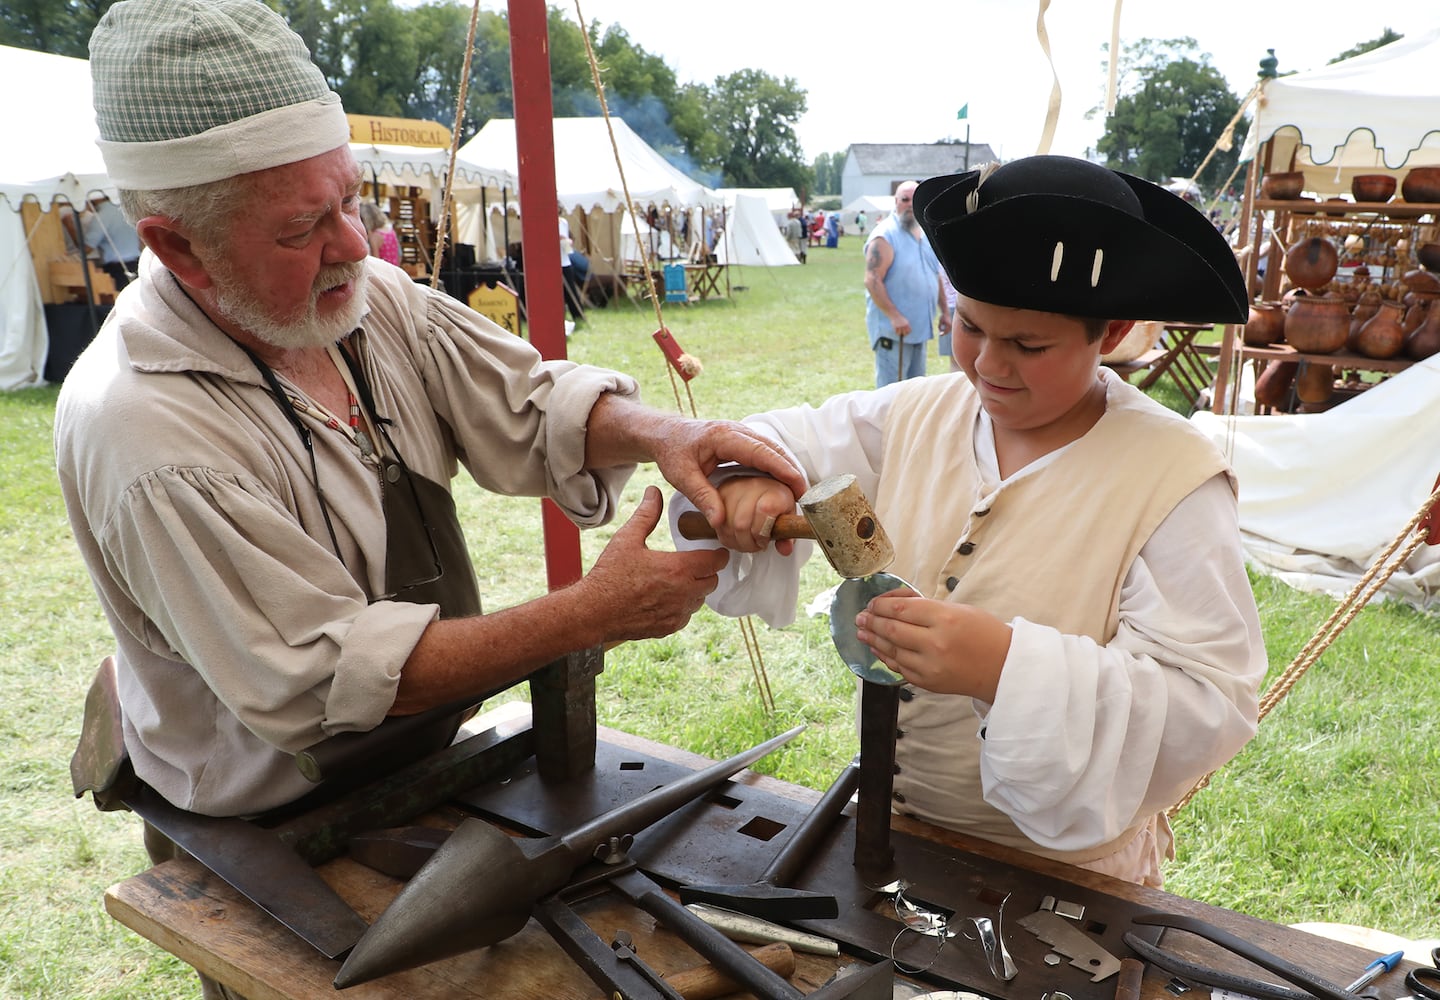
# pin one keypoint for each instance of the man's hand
(637, 593)
(936, 645)
(696, 448)
(685, 450)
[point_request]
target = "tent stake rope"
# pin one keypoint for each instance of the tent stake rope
(445, 205)
(747, 627)
(1353, 603)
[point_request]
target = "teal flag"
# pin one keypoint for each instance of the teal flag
(964, 112)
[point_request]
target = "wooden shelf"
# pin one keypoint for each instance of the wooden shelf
(1337, 209)
(1340, 359)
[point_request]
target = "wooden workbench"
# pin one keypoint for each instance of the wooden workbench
(191, 913)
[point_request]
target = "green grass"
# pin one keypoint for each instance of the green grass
(1330, 814)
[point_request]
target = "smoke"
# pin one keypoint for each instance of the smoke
(650, 120)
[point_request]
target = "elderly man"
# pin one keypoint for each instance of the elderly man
(256, 451)
(902, 293)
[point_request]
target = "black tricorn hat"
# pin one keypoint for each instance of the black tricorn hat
(1063, 235)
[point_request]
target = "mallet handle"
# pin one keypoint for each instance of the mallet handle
(692, 525)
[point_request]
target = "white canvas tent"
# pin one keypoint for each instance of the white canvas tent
(1378, 112)
(875, 207)
(1323, 494)
(589, 188)
(63, 164)
(751, 236)
(51, 155)
(778, 201)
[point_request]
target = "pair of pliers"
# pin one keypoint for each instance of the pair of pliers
(1425, 982)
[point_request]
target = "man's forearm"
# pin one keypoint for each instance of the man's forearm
(621, 432)
(462, 657)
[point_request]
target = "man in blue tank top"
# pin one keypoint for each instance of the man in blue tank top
(902, 292)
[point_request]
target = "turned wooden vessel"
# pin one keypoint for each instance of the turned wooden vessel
(1424, 340)
(1317, 324)
(1266, 324)
(1284, 186)
(1314, 383)
(1421, 184)
(1382, 335)
(1372, 187)
(1312, 262)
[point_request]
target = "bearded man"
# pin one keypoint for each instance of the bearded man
(257, 449)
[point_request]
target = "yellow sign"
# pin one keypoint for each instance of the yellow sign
(499, 304)
(398, 131)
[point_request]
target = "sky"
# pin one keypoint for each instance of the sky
(900, 71)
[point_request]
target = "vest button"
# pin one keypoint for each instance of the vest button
(966, 548)
(951, 582)
(899, 797)
(897, 768)
(392, 473)
(899, 734)
(906, 694)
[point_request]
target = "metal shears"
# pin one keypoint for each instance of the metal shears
(1425, 982)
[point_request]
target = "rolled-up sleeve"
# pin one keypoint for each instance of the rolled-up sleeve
(223, 578)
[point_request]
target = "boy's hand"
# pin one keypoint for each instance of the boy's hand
(941, 647)
(752, 503)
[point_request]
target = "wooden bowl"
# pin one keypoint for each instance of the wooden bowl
(1373, 187)
(1429, 256)
(1421, 184)
(1282, 187)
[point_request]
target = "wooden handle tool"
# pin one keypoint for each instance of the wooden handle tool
(705, 982)
(692, 525)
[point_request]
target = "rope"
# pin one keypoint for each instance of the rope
(444, 231)
(1353, 603)
(1227, 136)
(747, 627)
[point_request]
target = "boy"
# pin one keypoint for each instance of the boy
(1085, 643)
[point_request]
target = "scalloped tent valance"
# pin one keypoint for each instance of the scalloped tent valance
(1378, 112)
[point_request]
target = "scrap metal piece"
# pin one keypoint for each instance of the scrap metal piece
(1002, 966)
(1069, 910)
(1083, 951)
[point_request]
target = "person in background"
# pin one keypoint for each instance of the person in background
(380, 233)
(256, 451)
(832, 230)
(861, 221)
(944, 342)
(1065, 682)
(902, 293)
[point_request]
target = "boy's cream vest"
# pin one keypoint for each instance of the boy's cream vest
(1052, 547)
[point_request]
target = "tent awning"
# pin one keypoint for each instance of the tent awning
(1378, 112)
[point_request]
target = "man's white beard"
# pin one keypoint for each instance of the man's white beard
(240, 306)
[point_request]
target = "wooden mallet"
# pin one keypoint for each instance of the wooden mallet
(835, 513)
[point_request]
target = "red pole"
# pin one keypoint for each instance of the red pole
(544, 295)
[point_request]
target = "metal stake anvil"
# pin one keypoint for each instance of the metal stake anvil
(837, 515)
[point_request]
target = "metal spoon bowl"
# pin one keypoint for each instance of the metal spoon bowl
(850, 599)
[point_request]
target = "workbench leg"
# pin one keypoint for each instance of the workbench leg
(562, 707)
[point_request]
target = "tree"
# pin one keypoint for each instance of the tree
(1172, 108)
(61, 27)
(828, 168)
(755, 115)
(1386, 37)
